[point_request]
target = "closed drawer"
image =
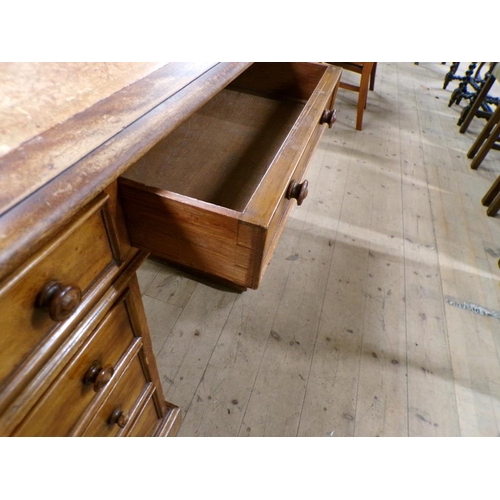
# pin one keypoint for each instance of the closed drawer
(146, 421)
(214, 195)
(113, 415)
(85, 378)
(55, 286)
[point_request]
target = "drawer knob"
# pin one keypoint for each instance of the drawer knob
(98, 376)
(329, 117)
(298, 191)
(119, 418)
(59, 300)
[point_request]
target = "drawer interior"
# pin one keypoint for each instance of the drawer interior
(213, 195)
(221, 153)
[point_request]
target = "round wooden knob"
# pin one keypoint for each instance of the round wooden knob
(329, 117)
(59, 300)
(98, 376)
(298, 191)
(119, 418)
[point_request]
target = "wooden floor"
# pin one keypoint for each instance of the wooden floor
(379, 314)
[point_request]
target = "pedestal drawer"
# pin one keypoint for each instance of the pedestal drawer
(214, 195)
(56, 285)
(85, 378)
(146, 421)
(115, 412)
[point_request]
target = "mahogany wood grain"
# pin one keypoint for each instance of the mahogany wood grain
(115, 221)
(34, 376)
(275, 226)
(210, 207)
(139, 323)
(123, 398)
(146, 421)
(189, 232)
(65, 401)
(170, 425)
(26, 385)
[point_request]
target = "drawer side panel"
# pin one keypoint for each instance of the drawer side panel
(188, 233)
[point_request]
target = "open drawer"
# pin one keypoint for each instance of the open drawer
(213, 196)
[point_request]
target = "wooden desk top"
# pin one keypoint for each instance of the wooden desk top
(67, 130)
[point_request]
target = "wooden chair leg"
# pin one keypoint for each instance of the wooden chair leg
(372, 76)
(482, 136)
(487, 134)
(363, 94)
(487, 145)
(478, 100)
(492, 193)
(494, 206)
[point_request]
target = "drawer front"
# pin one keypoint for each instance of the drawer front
(53, 286)
(277, 223)
(146, 422)
(84, 379)
(260, 240)
(113, 415)
(190, 233)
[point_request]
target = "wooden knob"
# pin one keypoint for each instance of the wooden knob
(59, 300)
(298, 191)
(98, 376)
(329, 117)
(119, 418)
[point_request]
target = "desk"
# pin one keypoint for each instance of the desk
(75, 350)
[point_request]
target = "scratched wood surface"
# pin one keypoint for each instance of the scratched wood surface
(355, 329)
